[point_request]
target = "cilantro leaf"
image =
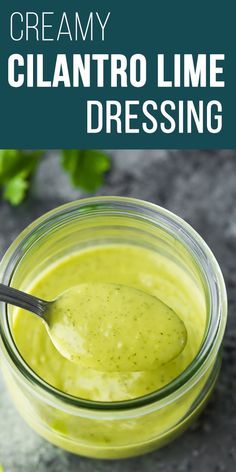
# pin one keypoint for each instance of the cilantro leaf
(14, 161)
(16, 168)
(15, 190)
(86, 168)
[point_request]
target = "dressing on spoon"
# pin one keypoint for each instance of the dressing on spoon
(88, 325)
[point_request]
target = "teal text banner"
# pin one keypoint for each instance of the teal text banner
(104, 74)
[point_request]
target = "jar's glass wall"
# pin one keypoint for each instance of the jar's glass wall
(137, 430)
(117, 435)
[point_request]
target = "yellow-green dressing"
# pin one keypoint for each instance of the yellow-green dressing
(130, 266)
(114, 328)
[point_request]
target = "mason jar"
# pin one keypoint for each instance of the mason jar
(121, 428)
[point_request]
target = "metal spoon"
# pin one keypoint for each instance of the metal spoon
(107, 327)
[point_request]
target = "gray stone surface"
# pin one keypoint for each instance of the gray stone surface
(200, 187)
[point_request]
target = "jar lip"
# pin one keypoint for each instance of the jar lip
(193, 243)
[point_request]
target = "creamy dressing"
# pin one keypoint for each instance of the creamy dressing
(131, 266)
(114, 328)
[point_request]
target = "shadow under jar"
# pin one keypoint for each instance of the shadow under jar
(104, 415)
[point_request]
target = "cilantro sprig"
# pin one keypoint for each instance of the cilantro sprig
(16, 169)
(85, 168)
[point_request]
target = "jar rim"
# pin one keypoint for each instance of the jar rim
(195, 245)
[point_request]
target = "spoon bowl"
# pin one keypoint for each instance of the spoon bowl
(107, 327)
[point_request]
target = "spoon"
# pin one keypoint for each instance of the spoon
(107, 327)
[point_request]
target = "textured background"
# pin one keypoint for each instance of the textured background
(200, 186)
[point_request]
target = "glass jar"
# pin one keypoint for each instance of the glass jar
(131, 427)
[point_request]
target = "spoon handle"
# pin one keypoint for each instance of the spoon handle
(23, 300)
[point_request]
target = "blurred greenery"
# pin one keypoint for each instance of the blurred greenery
(85, 168)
